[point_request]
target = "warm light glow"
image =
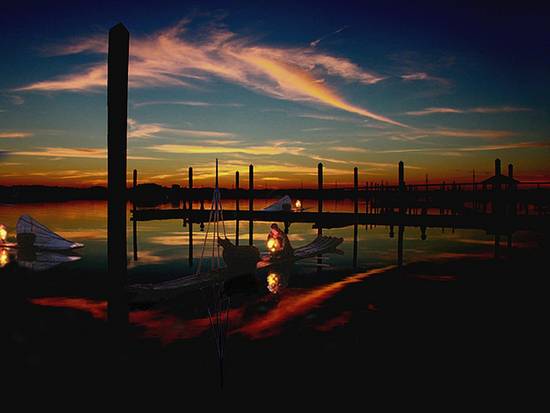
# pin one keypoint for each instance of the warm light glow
(272, 244)
(3, 233)
(298, 204)
(4, 258)
(273, 283)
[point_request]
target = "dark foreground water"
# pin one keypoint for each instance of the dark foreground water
(452, 310)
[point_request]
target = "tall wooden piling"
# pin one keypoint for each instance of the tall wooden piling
(355, 190)
(190, 185)
(117, 103)
(401, 176)
(237, 207)
(190, 192)
(117, 122)
(251, 203)
(320, 187)
(134, 222)
(319, 194)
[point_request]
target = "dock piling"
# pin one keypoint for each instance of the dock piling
(251, 203)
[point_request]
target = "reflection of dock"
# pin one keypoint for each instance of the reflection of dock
(490, 222)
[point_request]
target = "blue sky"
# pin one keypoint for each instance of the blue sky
(283, 85)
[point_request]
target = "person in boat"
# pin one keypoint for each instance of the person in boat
(278, 242)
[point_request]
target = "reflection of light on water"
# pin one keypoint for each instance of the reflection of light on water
(4, 257)
(97, 309)
(273, 283)
(292, 306)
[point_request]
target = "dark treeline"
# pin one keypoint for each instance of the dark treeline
(42, 193)
(152, 193)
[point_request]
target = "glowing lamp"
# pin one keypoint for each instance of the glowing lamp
(4, 258)
(298, 204)
(3, 233)
(273, 244)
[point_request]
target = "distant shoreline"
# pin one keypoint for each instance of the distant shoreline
(154, 193)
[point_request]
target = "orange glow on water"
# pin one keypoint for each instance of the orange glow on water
(292, 306)
(97, 309)
(338, 321)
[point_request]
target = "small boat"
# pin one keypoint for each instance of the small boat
(31, 234)
(147, 292)
(283, 204)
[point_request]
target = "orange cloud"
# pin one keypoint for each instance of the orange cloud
(168, 59)
(250, 150)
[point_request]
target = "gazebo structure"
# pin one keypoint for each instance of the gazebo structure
(498, 181)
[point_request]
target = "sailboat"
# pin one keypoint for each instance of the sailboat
(31, 234)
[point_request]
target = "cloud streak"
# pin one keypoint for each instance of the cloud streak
(153, 130)
(250, 150)
(14, 135)
(439, 110)
(172, 58)
(87, 153)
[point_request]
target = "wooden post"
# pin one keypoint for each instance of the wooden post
(237, 207)
(401, 186)
(250, 204)
(355, 190)
(134, 222)
(217, 183)
(117, 123)
(190, 185)
(117, 104)
(190, 215)
(401, 176)
(320, 187)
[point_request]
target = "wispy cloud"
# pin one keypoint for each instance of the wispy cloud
(438, 110)
(249, 150)
(481, 148)
(326, 117)
(88, 153)
(416, 76)
(151, 130)
(172, 58)
(185, 103)
(316, 42)
(14, 135)
(419, 133)
(349, 149)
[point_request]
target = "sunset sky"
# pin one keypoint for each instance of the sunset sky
(282, 85)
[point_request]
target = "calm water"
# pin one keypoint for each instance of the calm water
(163, 253)
(290, 319)
(163, 246)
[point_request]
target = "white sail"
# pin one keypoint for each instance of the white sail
(44, 237)
(283, 204)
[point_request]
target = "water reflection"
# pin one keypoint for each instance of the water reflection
(4, 257)
(42, 260)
